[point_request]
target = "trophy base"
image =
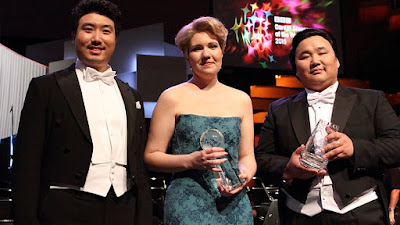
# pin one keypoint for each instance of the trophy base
(228, 184)
(228, 177)
(313, 161)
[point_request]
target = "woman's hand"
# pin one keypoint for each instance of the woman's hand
(225, 190)
(207, 159)
(391, 218)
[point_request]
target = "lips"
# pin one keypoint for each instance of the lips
(207, 63)
(96, 49)
(316, 71)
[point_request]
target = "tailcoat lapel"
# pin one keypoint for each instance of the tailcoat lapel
(298, 113)
(298, 110)
(69, 85)
(342, 108)
(344, 103)
(131, 112)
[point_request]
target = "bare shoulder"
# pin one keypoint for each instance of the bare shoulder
(239, 95)
(167, 103)
(172, 94)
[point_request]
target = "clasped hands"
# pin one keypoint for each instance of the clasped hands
(208, 159)
(340, 147)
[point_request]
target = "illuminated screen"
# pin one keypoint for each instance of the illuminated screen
(261, 32)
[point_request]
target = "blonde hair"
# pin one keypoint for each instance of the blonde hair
(201, 24)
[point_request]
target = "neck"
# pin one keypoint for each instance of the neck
(97, 66)
(323, 88)
(101, 69)
(204, 84)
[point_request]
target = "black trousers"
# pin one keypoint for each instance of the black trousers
(369, 214)
(80, 208)
(397, 216)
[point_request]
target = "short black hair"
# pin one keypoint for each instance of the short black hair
(102, 7)
(306, 34)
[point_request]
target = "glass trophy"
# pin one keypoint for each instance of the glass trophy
(311, 156)
(228, 177)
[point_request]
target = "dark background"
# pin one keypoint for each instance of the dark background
(371, 48)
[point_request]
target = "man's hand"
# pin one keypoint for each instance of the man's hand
(340, 146)
(294, 168)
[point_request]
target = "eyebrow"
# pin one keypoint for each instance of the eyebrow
(307, 51)
(194, 47)
(103, 26)
(211, 42)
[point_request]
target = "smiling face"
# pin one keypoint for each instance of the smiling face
(205, 54)
(95, 40)
(316, 63)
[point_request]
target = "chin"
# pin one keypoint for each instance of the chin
(210, 73)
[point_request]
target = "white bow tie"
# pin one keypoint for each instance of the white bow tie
(324, 97)
(107, 77)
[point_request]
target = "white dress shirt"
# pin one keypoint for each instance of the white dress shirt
(322, 195)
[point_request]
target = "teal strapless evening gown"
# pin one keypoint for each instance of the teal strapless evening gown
(192, 196)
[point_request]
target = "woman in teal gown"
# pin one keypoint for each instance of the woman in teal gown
(182, 114)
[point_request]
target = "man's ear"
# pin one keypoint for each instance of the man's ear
(337, 62)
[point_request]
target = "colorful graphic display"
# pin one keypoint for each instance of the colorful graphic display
(261, 32)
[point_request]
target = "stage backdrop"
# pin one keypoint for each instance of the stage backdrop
(16, 72)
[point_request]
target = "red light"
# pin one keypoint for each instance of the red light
(394, 22)
(374, 13)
